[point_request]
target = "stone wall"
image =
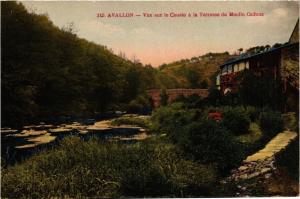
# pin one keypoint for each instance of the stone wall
(174, 93)
(290, 65)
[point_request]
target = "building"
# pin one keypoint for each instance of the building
(278, 62)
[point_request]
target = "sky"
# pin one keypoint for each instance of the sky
(158, 40)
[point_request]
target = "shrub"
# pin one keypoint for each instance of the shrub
(290, 121)
(252, 112)
(214, 97)
(137, 121)
(211, 143)
(288, 159)
(206, 140)
(236, 121)
(231, 99)
(96, 169)
(192, 101)
(270, 122)
(139, 105)
(171, 119)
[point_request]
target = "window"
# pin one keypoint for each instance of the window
(236, 68)
(242, 66)
(229, 68)
(247, 65)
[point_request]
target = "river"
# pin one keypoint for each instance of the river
(19, 144)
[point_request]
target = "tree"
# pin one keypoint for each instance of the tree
(48, 72)
(240, 50)
(163, 97)
(260, 90)
(204, 84)
(214, 97)
(192, 78)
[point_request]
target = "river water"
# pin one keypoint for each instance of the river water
(19, 144)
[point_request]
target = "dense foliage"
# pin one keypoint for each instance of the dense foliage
(241, 131)
(254, 90)
(288, 159)
(49, 72)
(132, 120)
(192, 101)
(202, 139)
(196, 72)
(171, 119)
(260, 91)
(211, 143)
(80, 169)
(236, 121)
(271, 122)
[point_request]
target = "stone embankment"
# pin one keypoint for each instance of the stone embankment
(261, 164)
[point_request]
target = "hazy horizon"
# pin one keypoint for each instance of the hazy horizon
(164, 40)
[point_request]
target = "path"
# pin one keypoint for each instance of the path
(262, 162)
(278, 143)
(260, 166)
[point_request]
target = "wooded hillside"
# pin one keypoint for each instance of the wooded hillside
(49, 72)
(197, 72)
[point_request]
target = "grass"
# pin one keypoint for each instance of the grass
(95, 168)
(132, 120)
(254, 134)
(290, 121)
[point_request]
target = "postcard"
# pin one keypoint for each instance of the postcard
(149, 99)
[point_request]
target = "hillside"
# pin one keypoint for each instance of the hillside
(48, 72)
(197, 71)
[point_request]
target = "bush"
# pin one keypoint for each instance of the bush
(288, 159)
(139, 105)
(252, 112)
(214, 97)
(236, 121)
(205, 140)
(231, 99)
(271, 122)
(211, 143)
(192, 101)
(136, 121)
(171, 119)
(96, 169)
(290, 121)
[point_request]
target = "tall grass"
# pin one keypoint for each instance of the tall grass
(100, 169)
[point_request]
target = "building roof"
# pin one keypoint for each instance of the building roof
(249, 56)
(295, 34)
(293, 40)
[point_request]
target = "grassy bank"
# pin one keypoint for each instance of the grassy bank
(100, 169)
